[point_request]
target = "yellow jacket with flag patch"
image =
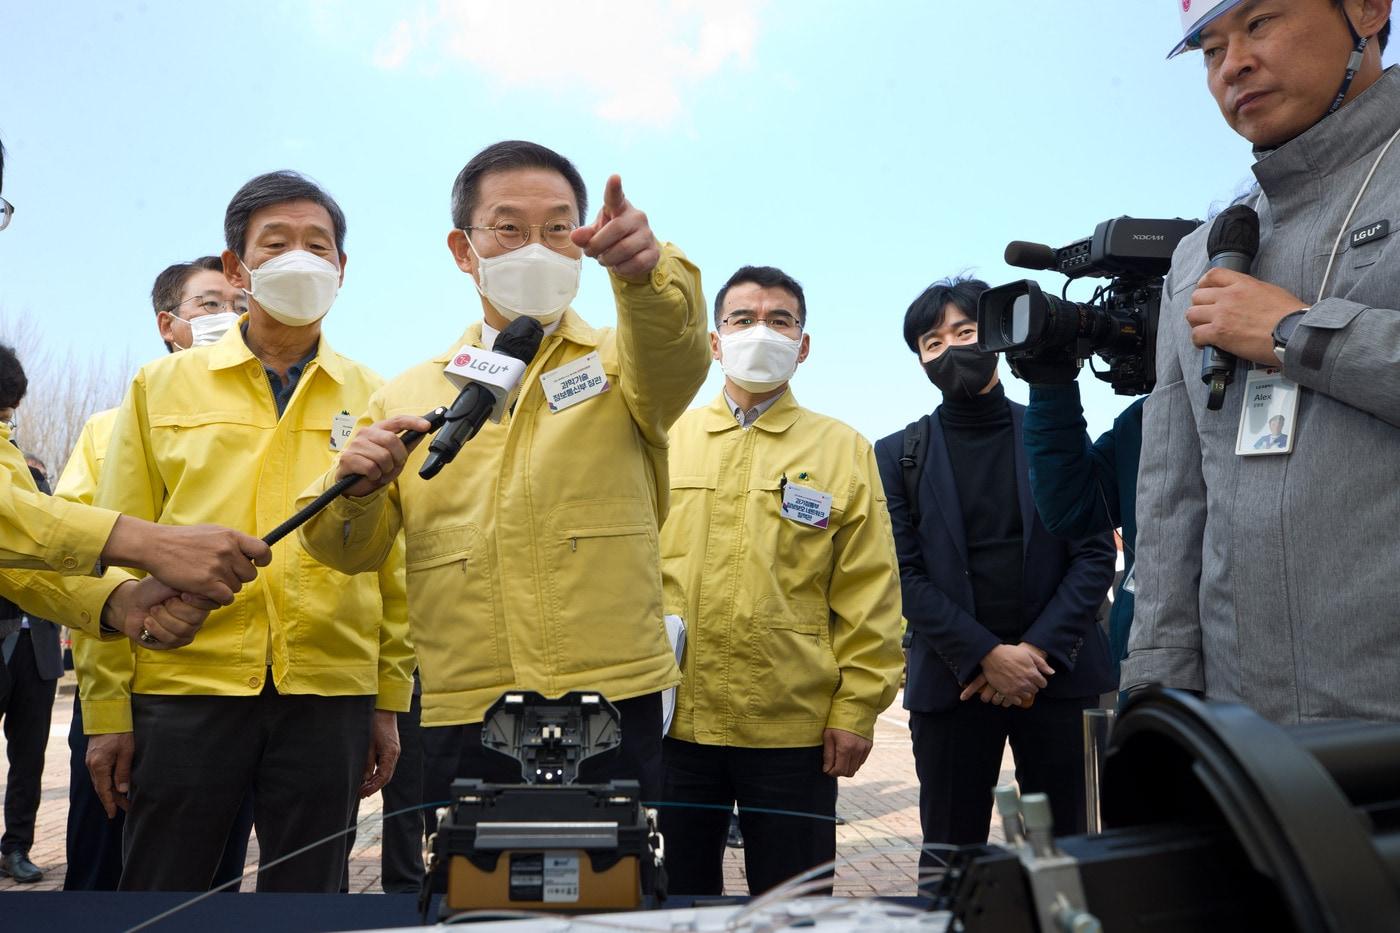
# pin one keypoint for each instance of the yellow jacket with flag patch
(792, 616)
(198, 439)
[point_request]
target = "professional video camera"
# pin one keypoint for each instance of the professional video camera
(1119, 323)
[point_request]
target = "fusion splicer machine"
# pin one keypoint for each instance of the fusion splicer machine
(547, 844)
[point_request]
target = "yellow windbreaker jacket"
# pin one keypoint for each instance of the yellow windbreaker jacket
(41, 531)
(791, 628)
(105, 689)
(532, 557)
(197, 439)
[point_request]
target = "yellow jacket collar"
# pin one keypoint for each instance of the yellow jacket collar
(783, 415)
(571, 327)
(232, 350)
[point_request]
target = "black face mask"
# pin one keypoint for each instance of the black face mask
(961, 372)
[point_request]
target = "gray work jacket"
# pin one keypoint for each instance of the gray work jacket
(1275, 580)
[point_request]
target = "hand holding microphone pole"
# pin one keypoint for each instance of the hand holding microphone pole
(1232, 244)
(377, 453)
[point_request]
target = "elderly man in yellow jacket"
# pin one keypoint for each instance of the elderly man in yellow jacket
(532, 559)
(292, 690)
(779, 557)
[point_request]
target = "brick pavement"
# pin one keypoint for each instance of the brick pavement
(880, 806)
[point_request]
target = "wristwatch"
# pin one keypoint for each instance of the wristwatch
(1284, 329)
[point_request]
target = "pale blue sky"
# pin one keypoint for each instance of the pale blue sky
(868, 149)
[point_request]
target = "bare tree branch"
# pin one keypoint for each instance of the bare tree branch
(65, 389)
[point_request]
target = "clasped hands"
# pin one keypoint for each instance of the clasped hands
(1011, 675)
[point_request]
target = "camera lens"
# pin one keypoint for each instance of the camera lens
(1020, 319)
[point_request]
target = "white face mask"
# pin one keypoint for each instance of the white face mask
(297, 288)
(208, 328)
(758, 359)
(532, 281)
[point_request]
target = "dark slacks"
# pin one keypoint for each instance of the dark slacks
(957, 755)
(451, 752)
(26, 703)
(401, 859)
(196, 757)
(401, 847)
(776, 847)
(94, 842)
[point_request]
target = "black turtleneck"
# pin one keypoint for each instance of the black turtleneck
(981, 448)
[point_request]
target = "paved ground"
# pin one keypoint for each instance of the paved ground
(880, 806)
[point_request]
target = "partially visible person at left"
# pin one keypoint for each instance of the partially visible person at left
(31, 663)
(194, 305)
(38, 532)
(779, 558)
(290, 692)
(113, 604)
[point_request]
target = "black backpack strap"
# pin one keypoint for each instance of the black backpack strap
(915, 450)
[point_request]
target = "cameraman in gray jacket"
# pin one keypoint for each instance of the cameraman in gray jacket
(1272, 576)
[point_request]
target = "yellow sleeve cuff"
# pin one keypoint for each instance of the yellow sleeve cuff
(853, 717)
(81, 533)
(394, 695)
(101, 717)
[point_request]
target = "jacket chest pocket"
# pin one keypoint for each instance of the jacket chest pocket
(459, 639)
(197, 441)
(691, 501)
(790, 543)
(604, 585)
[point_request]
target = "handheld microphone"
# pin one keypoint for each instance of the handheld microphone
(486, 378)
(1232, 244)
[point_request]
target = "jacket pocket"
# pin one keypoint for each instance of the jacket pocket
(459, 634)
(604, 584)
(795, 671)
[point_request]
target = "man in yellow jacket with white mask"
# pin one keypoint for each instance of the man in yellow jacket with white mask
(780, 559)
(532, 558)
(292, 690)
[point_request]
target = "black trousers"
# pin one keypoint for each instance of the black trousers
(776, 847)
(957, 755)
(401, 847)
(26, 703)
(303, 757)
(94, 842)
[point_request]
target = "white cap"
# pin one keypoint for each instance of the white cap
(1196, 15)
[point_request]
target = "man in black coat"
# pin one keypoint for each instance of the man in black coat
(1001, 612)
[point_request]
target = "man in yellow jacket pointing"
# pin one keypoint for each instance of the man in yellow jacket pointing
(532, 558)
(780, 559)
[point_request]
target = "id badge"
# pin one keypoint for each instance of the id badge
(807, 506)
(575, 382)
(342, 426)
(1269, 418)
